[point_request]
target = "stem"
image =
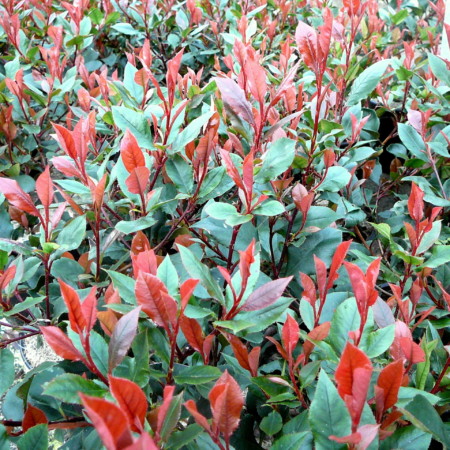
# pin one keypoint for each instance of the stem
(437, 387)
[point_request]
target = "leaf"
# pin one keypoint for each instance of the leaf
(306, 39)
(234, 96)
(389, 382)
(290, 335)
(125, 285)
(345, 319)
(136, 123)
(17, 197)
(65, 140)
(337, 178)
(415, 203)
(44, 189)
(440, 255)
(109, 421)
(67, 387)
(137, 181)
(408, 437)
(422, 414)
(266, 295)
(328, 415)
(191, 132)
(439, 68)
(152, 295)
(257, 81)
(196, 375)
(379, 341)
(122, 338)
(226, 400)
(131, 399)
(35, 438)
(33, 416)
(412, 140)
(6, 369)
(72, 301)
(271, 424)
(192, 332)
(294, 441)
(367, 81)
(181, 173)
(269, 208)
(72, 235)
(353, 376)
(276, 160)
(131, 153)
(199, 271)
(60, 343)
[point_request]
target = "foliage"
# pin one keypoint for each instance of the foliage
(228, 221)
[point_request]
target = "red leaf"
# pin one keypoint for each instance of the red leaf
(239, 350)
(231, 169)
(401, 330)
(140, 243)
(279, 348)
(353, 379)
(17, 197)
(138, 180)
(352, 6)
(161, 308)
(89, 309)
(253, 360)
(227, 401)
(132, 156)
(361, 439)
(98, 193)
(44, 190)
(186, 291)
(193, 333)
(358, 281)
(389, 382)
(65, 140)
(72, 301)
(306, 39)
(33, 416)
(122, 337)
(144, 442)
(317, 334)
(321, 275)
(7, 276)
(234, 96)
(109, 421)
(415, 203)
(256, 77)
(144, 261)
(131, 399)
(266, 295)
(290, 335)
(338, 259)
(61, 344)
(66, 167)
(164, 408)
(412, 351)
(199, 418)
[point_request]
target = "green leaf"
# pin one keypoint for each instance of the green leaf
(276, 160)
(72, 235)
(181, 173)
(220, 211)
(271, 424)
(6, 369)
(269, 208)
(197, 375)
(131, 226)
(406, 394)
(412, 140)
(36, 438)
(180, 439)
(346, 318)
(367, 81)
(99, 352)
(379, 341)
(422, 414)
(423, 368)
(168, 275)
(383, 229)
(172, 417)
(68, 270)
(328, 415)
(68, 386)
(199, 271)
(293, 441)
(439, 68)
(135, 121)
(191, 132)
(408, 438)
(440, 255)
(22, 306)
(336, 179)
(212, 179)
(124, 284)
(125, 28)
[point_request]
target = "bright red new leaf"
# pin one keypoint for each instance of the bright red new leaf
(387, 387)
(61, 344)
(132, 156)
(17, 197)
(290, 335)
(33, 416)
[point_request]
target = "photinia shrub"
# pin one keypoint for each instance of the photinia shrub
(224, 225)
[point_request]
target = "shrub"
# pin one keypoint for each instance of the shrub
(224, 224)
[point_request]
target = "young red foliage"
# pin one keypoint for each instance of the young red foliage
(415, 203)
(33, 416)
(387, 387)
(132, 155)
(226, 400)
(17, 197)
(353, 379)
(131, 399)
(290, 335)
(44, 190)
(110, 422)
(192, 332)
(61, 344)
(138, 180)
